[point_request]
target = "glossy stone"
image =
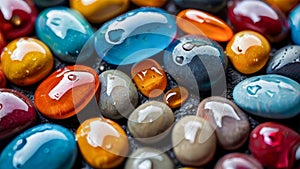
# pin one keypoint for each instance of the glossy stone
(194, 141)
(151, 121)
(146, 157)
(131, 38)
(66, 91)
(44, 146)
(284, 6)
(230, 122)
(248, 51)
(193, 21)
(176, 97)
(154, 3)
(271, 96)
(17, 18)
(238, 161)
(118, 96)
(102, 142)
(17, 113)
(98, 11)
(25, 61)
(294, 21)
(274, 145)
(195, 62)
(65, 31)
(258, 16)
(207, 5)
(3, 42)
(149, 77)
(2, 78)
(286, 62)
(49, 3)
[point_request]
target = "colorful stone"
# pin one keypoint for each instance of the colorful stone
(270, 96)
(258, 16)
(154, 3)
(207, 5)
(131, 38)
(195, 62)
(275, 146)
(118, 96)
(26, 61)
(193, 21)
(2, 78)
(150, 122)
(149, 77)
(98, 11)
(230, 122)
(294, 21)
(176, 97)
(248, 51)
(17, 18)
(66, 91)
(49, 3)
(194, 141)
(284, 6)
(65, 31)
(44, 146)
(102, 142)
(286, 62)
(17, 113)
(149, 158)
(238, 161)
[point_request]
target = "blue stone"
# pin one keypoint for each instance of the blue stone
(135, 36)
(196, 63)
(64, 31)
(295, 24)
(286, 62)
(271, 96)
(44, 146)
(206, 5)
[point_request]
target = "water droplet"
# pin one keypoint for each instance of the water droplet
(20, 144)
(252, 90)
(188, 46)
(179, 59)
(116, 35)
(276, 65)
(108, 146)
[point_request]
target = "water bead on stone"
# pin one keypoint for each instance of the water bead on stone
(294, 21)
(66, 91)
(44, 146)
(238, 161)
(131, 38)
(248, 51)
(65, 31)
(25, 61)
(176, 97)
(207, 5)
(271, 96)
(102, 142)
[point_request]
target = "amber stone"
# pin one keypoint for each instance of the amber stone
(248, 51)
(149, 77)
(17, 113)
(284, 5)
(175, 97)
(154, 3)
(66, 91)
(102, 142)
(98, 11)
(26, 61)
(193, 21)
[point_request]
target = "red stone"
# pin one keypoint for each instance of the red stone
(258, 16)
(66, 91)
(17, 113)
(274, 145)
(17, 18)
(2, 42)
(2, 78)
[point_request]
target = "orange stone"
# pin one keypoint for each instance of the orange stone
(284, 5)
(175, 97)
(149, 78)
(192, 21)
(66, 91)
(154, 3)
(102, 142)
(248, 51)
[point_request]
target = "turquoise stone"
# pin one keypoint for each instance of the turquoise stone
(270, 96)
(64, 31)
(135, 36)
(44, 146)
(295, 24)
(206, 5)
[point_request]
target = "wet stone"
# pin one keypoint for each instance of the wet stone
(149, 158)
(294, 21)
(207, 5)
(154, 3)
(176, 97)
(3, 42)
(230, 122)
(271, 96)
(49, 3)
(286, 62)
(118, 96)
(238, 161)
(3, 80)
(284, 6)
(150, 122)
(44, 146)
